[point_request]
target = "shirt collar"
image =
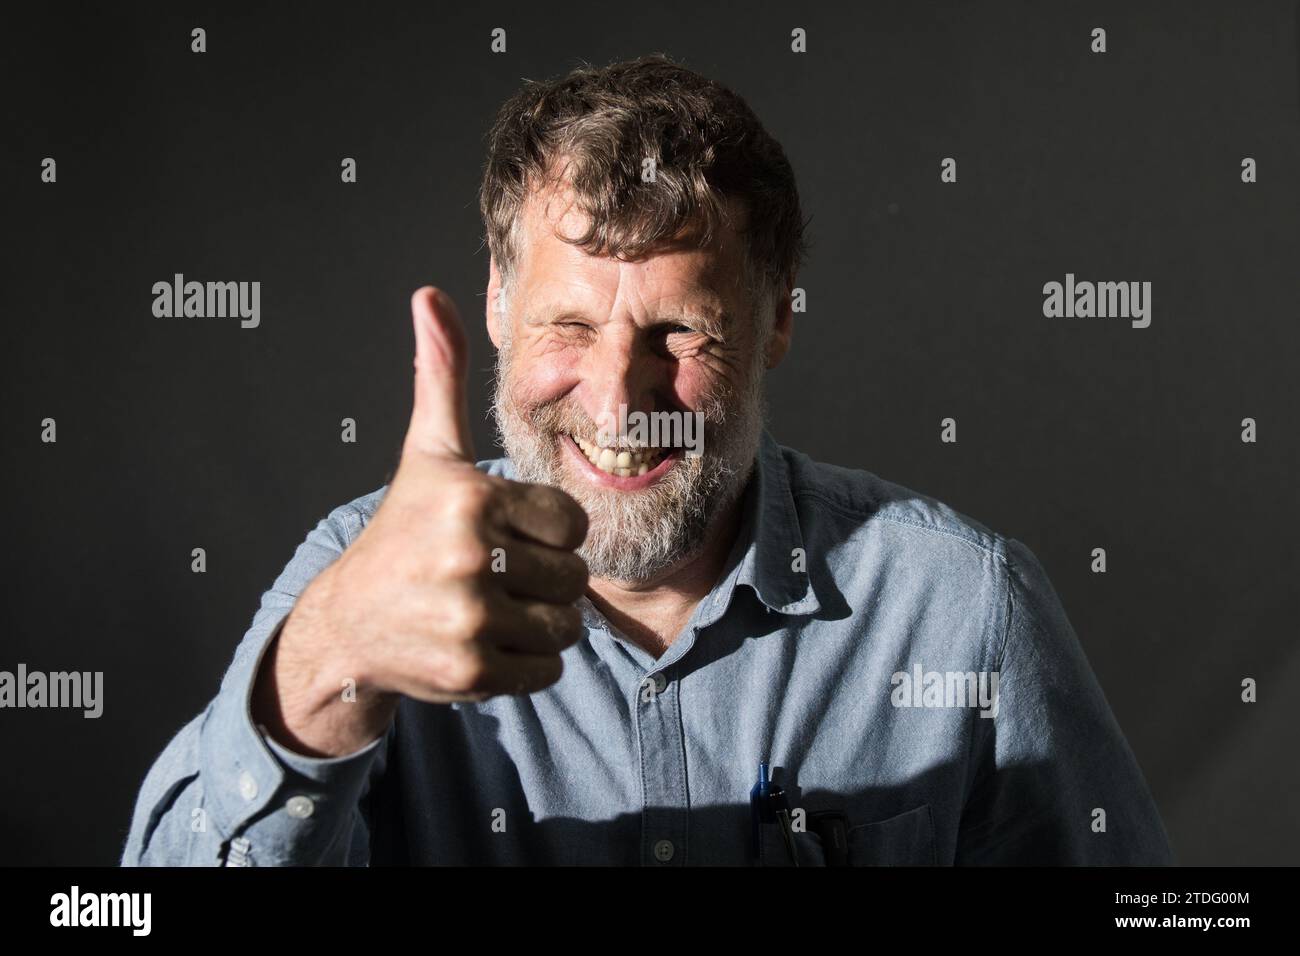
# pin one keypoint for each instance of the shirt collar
(774, 561)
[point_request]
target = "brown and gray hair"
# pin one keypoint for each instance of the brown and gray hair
(594, 128)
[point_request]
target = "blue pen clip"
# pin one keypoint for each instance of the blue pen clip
(767, 804)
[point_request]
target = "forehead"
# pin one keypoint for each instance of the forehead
(681, 269)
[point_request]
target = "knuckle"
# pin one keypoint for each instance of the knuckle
(469, 617)
(467, 557)
(466, 672)
(470, 498)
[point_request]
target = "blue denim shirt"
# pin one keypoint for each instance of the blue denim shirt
(827, 648)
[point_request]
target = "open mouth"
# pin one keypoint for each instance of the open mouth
(628, 468)
(626, 462)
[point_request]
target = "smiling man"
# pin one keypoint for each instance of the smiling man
(583, 651)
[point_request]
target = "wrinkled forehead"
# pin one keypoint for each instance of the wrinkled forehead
(683, 263)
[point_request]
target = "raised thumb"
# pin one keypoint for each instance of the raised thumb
(440, 415)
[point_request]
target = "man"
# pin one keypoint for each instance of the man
(582, 652)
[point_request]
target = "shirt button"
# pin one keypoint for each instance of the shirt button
(300, 807)
(247, 786)
(664, 851)
(661, 682)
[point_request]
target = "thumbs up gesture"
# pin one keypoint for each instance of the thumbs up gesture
(461, 586)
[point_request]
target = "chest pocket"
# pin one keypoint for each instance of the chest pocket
(906, 839)
(903, 840)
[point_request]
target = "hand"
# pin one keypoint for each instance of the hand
(461, 586)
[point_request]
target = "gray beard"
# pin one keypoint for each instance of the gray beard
(637, 536)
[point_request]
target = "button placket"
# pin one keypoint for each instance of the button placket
(663, 773)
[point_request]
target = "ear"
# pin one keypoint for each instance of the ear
(778, 343)
(493, 295)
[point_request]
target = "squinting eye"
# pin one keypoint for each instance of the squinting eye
(675, 329)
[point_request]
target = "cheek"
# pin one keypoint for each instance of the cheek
(697, 382)
(541, 378)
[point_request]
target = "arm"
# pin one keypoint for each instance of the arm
(1054, 754)
(223, 793)
(410, 606)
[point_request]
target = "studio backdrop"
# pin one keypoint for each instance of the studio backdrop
(1053, 283)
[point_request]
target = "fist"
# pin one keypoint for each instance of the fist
(462, 585)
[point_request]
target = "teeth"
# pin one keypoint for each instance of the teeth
(624, 462)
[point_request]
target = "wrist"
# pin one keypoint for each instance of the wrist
(313, 700)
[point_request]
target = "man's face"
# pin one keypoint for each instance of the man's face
(581, 336)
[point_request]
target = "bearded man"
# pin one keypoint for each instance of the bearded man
(593, 649)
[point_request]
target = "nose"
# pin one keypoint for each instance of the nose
(622, 376)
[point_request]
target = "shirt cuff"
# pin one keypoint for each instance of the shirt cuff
(296, 806)
(332, 772)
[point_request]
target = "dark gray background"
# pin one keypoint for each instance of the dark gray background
(924, 300)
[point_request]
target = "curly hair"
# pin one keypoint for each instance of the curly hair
(595, 129)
